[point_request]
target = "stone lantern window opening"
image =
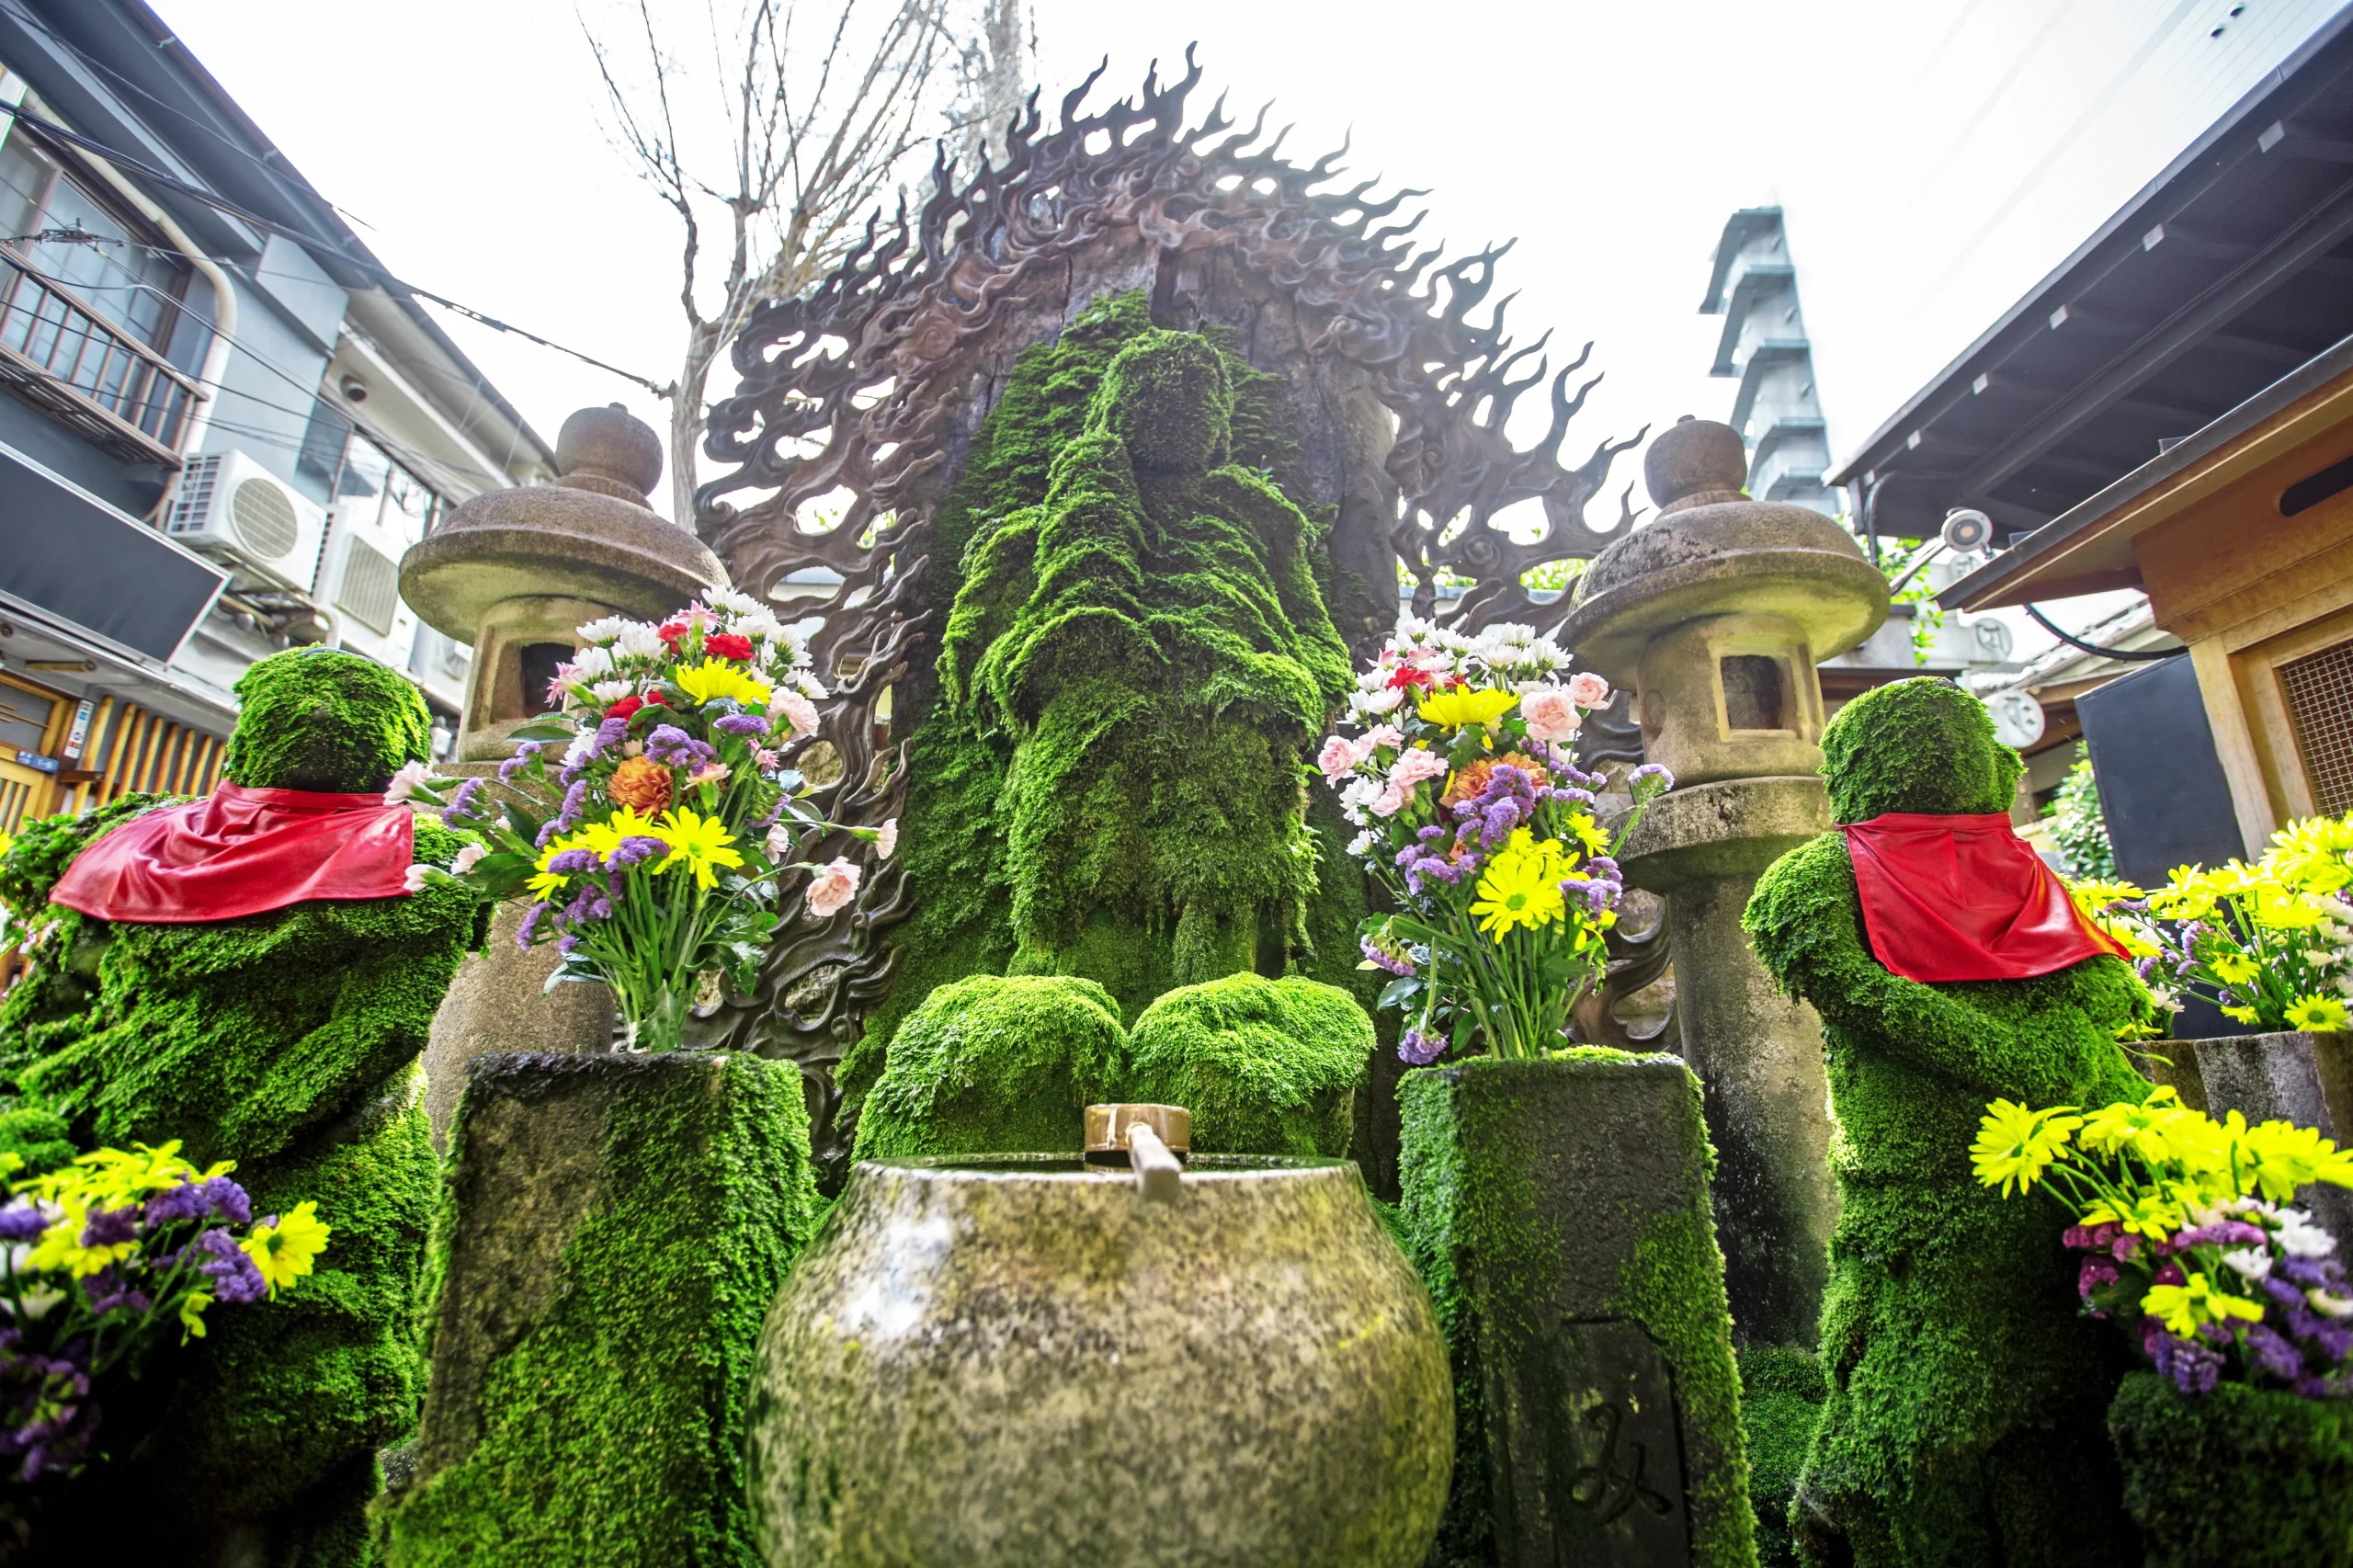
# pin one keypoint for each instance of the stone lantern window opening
(535, 669)
(1750, 687)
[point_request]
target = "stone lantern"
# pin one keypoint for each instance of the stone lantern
(513, 573)
(1716, 614)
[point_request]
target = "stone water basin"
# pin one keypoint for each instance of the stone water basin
(1017, 1361)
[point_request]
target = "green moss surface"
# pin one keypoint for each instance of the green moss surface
(321, 719)
(2246, 1477)
(1265, 1066)
(1782, 1394)
(997, 1064)
(1107, 776)
(1966, 1391)
(599, 1351)
(1574, 1190)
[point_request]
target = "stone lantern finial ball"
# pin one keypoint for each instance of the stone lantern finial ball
(1695, 457)
(610, 443)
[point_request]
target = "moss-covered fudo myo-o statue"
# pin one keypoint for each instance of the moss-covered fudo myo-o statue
(265, 977)
(1966, 1391)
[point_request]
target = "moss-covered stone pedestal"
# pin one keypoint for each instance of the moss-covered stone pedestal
(2304, 1078)
(2235, 1478)
(1559, 1211)
(1016, 1362)
(612, 1230)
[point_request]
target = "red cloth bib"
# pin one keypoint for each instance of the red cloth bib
(243, 852)
(1965, 898)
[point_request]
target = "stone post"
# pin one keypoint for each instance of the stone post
(1717, 613)
(512, 573)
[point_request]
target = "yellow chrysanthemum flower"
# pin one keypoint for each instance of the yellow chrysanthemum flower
(192, 1315)
(2287, 1158)
(2141, 1128)
(2318, 1012)
(2184, 1306)
(698, 843)
(2284, 909)
(1521, 887)
(285, 1251)
(717, 677)
(1587, 832)
(2154, 1215)
(1462, 705)
(2015, 1145)
(2243, 1015)
(2235, 969)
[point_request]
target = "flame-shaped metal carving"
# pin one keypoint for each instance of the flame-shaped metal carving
(859, 401)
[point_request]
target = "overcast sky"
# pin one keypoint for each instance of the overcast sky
(1935, 157)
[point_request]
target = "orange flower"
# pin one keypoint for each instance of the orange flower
(642, 784)
(1472, 780)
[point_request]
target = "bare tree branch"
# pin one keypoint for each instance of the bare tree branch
(793, 144)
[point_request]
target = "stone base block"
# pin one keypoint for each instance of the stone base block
(1559, 1214)
(2280, 1077)
(613, 1230)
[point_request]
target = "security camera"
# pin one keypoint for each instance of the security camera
(1967, 531)
(355, 390)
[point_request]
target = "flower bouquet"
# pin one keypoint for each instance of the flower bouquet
(1475, 817)
(2270, 944)
(102, 1252)
(2188, 1239)
(663, 861)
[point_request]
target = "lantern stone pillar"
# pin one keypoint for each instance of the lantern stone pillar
(1717, 613)
(513, 573)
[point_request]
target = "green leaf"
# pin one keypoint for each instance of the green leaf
(1399, 991)
(544, 730)
(526, 825)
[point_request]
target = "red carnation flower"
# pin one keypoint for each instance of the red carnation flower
(629, 705)
(1409, 675)
(673, 632)
(728, 645)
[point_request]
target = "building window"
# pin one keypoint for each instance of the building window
(359, 481)
(112, 263)
(2319, 693)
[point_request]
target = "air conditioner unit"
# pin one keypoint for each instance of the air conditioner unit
(228, 504)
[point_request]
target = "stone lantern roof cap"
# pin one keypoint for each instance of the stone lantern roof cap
(588, 536)
(1711, 551)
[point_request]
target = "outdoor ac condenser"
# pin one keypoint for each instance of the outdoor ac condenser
(230, 506)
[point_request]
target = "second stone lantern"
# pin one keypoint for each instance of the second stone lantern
(1716, 614)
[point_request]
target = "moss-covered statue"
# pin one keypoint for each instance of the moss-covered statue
(268, 1005)
(1966, 1392)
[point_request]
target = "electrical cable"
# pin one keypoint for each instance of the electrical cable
(2131, 655)
(384, 277)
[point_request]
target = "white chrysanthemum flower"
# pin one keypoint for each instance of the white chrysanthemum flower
(2253, 1263)
(612, 690)
(577, 752)
(590, 663)
(638, 641)
(731, 601)
(1362, 843)
(809, 685)
(760, 626)
(597, 634)
(2299, 1237)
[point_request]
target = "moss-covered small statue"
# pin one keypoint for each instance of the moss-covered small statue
(266, 1005)
(1966, 1391)
(1265, 1066)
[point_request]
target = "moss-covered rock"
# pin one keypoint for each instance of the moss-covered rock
(2237, 1477)
(996, 1064)
(1559, 1214)
(614, 1229)
(1782, 1394)
(1265, 1066)
(1965, 1391)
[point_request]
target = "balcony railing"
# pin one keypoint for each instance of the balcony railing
(84, 371)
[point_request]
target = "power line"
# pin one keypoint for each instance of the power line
(384, 277)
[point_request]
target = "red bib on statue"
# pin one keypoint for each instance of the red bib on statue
(243, 852)
(1965, 898)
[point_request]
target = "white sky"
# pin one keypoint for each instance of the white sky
(1936, 157)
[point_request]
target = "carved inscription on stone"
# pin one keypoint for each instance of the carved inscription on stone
(1592, 1469)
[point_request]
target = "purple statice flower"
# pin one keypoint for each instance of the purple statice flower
(462, 805)
(2095, 1272)
(228, 1200)
(48, 1421)
(21, 1222)
(2222, 1232)
(525, 752)
(590, 904)
(1604, 868)
(741, 724)
(635, 850)
(1429, 834)
(1420, 1049)
(565, 943)
(111, 1227)
(572, 862)
(186, 1202)
(1596, 892)
(1376, 953)
(2272, 1352)
(1571, 795)
(673, 747)
(609, 734)
(232, 1275)
(1657, 770)
(531, 918)
(2193, 1368)
(109, 1290)
(568, 815)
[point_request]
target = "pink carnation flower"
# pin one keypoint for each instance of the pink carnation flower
(1339, 758)
(1587, 689)
(1382, 735)
(1551, 714)
(799, 713)
(1411, 767)
(832, 888)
